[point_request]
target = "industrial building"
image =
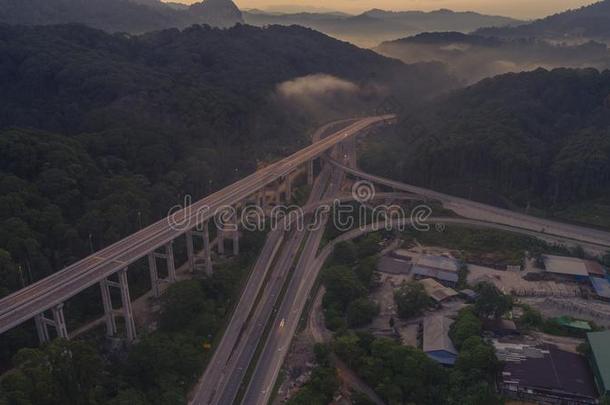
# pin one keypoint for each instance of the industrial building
(545, 374)
(601, 286)
(600, 359)
(566, 267)
(437, 291)
(573, 267)
(442, 268)
(436, 342)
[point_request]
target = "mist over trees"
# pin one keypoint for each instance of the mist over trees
(474, 57)
(370, 28)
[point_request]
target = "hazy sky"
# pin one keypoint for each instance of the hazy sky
(513, 8)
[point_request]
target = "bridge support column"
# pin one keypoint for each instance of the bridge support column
(130, 325)
(288, 188)
(108, 310)
(58, 322)
(352, 151)
(310, 177)
(206, 249)
(154, 274)
(263, 200)
(171, 265)
(190, 251)
(42, 329)
(220, 240)
(277, 192)
(236, 236)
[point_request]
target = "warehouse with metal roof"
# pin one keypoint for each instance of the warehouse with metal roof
(437, 343)
(567, 266)
(437, 291)
(600, 359)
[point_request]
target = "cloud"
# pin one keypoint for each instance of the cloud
(316, 86)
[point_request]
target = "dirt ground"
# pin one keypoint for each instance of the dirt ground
(550, 307)
(511, 282)
(384, 296)
(298, 365)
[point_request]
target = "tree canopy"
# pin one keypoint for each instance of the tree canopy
(411, 299)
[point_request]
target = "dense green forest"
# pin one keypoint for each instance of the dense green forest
(539, 139)
(102, 133)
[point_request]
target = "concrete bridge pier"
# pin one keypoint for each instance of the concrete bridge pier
(190, 251)
(58, 322)
(207, 252)
(288, 188)
(168, 256)
(154, 274)
(351, 151)
(171, 264)
(206, 248)
(220, 238)
(310, 176)
(111, 328)
(123, 286)
(130, 325)
(236, 235)
(41, 328)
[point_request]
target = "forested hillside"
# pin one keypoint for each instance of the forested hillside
(592, 22)
(539, 139)
(100, 134)
(374, 26)
(135, 16)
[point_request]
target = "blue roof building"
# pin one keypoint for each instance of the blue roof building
(437, 343)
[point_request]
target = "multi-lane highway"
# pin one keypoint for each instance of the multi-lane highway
(57, 288)
(224, 375)
(286, 322)
(283, 328)
(491, 214)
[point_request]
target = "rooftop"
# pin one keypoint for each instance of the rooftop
(573, 323)
(437, 291)
(392, 265)
(436, 334)
(600, 347)
(546, 368)
(438, 262)
(595, 269)
(435, 273)
(565, 265)
(601, 286)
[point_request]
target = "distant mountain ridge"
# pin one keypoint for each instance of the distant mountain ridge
(588, 22)
(376, 25)
(134, 16)
(472, 57)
